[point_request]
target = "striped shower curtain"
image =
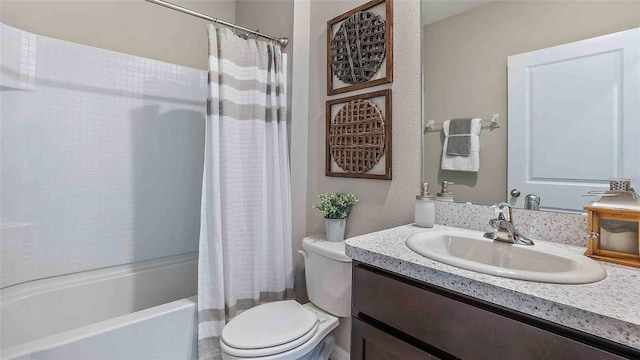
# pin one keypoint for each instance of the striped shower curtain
(245, 233)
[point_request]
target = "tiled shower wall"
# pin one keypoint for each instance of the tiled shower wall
(101, 157)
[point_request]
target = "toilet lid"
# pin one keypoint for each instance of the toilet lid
(269, 325)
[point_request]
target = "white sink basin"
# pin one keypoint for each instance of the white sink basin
(540, 262)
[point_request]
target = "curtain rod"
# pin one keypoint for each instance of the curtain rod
(282, 41)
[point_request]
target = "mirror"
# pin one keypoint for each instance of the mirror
(570, 71)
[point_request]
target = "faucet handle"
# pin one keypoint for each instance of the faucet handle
(502, 211)
(502, 205)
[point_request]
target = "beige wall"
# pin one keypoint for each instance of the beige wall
(466, 73)
(383, 204)
(130, 26)
(273, 17)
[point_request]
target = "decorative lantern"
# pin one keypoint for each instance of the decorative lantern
(613, 228)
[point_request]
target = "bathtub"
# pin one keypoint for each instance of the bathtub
(145, 310)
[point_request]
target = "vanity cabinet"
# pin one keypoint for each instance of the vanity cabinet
(395, 317)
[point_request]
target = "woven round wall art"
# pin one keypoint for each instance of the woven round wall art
(357, 136)
(358, 47)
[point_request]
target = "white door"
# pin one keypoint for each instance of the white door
(574, 119)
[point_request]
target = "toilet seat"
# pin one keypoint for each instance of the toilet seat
(269, 329)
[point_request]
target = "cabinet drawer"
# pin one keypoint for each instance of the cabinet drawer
(460, 329)
(369, 343)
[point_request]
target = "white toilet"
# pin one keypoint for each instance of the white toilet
(287, 330)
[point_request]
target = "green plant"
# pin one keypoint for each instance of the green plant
(335, 205)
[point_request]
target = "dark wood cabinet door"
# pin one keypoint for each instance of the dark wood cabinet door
(370, 343)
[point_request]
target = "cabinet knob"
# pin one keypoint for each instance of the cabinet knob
(515, 192)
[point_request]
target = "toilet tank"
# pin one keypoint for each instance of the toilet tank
(328, 274)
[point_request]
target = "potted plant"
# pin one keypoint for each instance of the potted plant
(335, 208)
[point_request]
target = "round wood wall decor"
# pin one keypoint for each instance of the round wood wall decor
(357, 136)
(358, 47)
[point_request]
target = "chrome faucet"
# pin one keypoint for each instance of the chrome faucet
(503, 228)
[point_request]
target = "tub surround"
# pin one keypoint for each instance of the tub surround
(607, 309)
(115, 174)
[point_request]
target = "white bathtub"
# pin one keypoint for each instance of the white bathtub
(145, 310)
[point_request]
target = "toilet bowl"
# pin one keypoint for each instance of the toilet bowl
(288, 330)
(271, 332)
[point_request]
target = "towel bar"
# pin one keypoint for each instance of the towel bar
(493, 124)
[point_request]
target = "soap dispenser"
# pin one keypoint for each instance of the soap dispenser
(425, 211)
(445, 194)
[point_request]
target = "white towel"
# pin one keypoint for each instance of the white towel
(469, 163)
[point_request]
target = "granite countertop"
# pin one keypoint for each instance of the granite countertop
(609, 308)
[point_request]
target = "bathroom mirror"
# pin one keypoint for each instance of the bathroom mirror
(564, 77)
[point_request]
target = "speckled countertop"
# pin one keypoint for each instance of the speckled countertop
(609, 308)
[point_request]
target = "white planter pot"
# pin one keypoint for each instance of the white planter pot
(335, 229)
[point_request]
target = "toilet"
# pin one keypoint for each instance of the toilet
(288, 330)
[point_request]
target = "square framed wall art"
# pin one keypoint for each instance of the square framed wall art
(358, 136)
(360, 47)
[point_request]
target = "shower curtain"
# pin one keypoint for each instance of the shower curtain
(245, 233)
